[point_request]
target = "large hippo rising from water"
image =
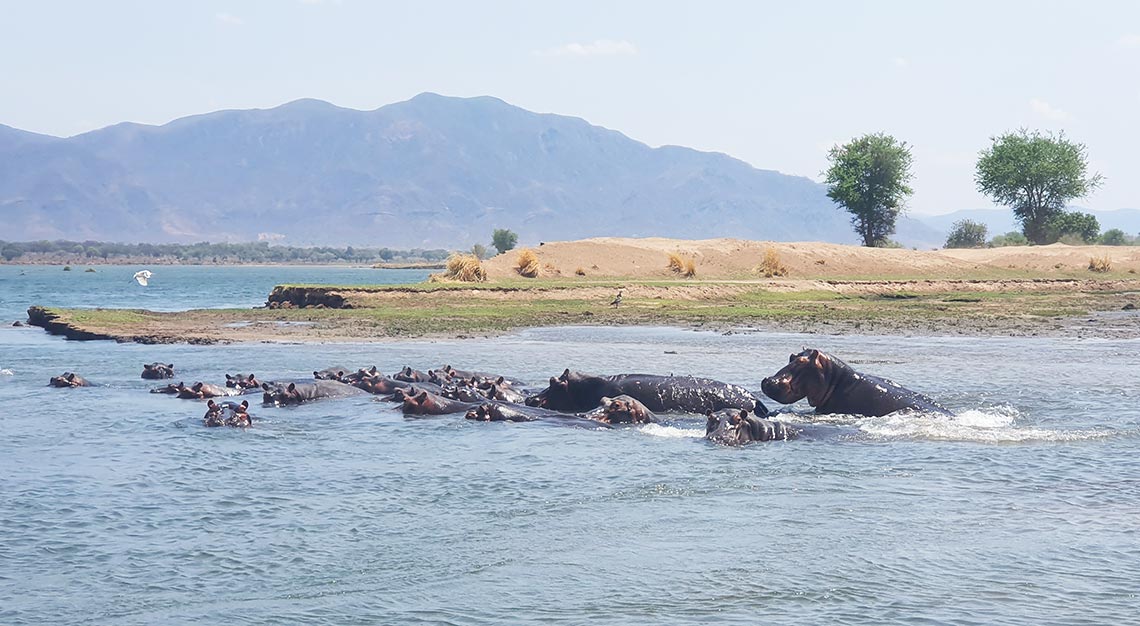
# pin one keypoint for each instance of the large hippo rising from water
(831, 386)
(575, 391)
(157, 371)
(68, 379)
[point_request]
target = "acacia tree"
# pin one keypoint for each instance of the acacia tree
(1035, 174)
(868, 177)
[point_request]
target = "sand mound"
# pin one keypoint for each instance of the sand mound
(737, 259)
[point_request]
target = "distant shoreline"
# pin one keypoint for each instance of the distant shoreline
(118, 263)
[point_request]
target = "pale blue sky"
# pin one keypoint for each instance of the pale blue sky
(774, 84)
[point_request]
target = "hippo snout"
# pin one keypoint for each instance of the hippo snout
(778, 388)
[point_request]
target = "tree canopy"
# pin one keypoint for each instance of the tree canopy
(1081, 227)
(503, 240)
(869, 178)
(1035, 174)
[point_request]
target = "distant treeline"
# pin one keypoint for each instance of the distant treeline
(196, 253)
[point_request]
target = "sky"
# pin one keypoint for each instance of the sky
(775, 84)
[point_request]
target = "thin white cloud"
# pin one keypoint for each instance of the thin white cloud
(901, 62)
(598, 48)
(1131, 40)
(316, 2)
(228, 18)
(1048, 111)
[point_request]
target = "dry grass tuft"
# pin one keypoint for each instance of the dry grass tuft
(1100, 264)
(526, 264)
(465, 268)
(771, 266)
(549, 269)
(690, 268)
(676, 263)
(579, 272)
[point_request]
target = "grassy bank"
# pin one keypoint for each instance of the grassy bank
(974, 307)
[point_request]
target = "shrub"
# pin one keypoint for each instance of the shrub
(690, 268)
(967, 234)
(1100, 264)
(771, 266)
(676, 263)
(580, 272)
(1012, 238)
(1113, 237)
(480, 251)
(526, 264)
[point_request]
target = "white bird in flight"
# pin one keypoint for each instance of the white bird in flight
(142, 277)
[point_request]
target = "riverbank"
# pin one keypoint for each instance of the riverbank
(818, 288)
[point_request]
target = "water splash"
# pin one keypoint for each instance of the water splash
(672, 432)
(997, 424)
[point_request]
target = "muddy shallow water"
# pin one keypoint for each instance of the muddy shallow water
(120, 508)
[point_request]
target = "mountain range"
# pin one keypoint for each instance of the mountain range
(433, 171)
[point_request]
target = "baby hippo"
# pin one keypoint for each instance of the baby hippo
(68, 379)
(621, 409)
(227, 414)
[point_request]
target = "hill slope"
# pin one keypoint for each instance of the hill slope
(433, 171)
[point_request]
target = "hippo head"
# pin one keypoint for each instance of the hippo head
(481, 413)
(241, 381)
(625, 410)
(557, 394)
(158, 370)
(417, 403)
(66, 379)
(279, 396)
(227, 414)
(190, 393)
(805, 375)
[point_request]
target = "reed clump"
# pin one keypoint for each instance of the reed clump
(465, 268)
(771, 266)
(1100, 264)
(526, 263)
(682, 265)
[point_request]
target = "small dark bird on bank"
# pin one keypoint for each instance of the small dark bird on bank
(617, 299)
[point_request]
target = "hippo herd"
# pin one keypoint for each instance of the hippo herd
(735, 415)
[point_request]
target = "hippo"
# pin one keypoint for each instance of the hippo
(738, 428)
(171, 389)
(831, 386)
(281, 394)
(495, 411)
(575, 392)
(499, 390)
(241, 381)
(380, 384)
(68, 379)
(410, 375)
(420, 402)
(621, 410)
(158, 371)
(227, 414)
(201, 390)
(332, 373)
(451, 372)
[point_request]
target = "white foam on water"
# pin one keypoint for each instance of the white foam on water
(672, 432)
(7, 372)
(989, 425)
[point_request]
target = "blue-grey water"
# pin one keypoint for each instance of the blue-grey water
(118, 507)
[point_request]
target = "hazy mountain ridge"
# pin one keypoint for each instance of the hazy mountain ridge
(431, 171)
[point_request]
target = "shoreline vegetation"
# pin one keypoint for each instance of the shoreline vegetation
(1044, 290)
(64, 252)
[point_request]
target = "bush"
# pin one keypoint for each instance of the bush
(967, 234)
(771, 266)
(1100, 264)
(480, 251)
(690, 268)
(676, 263)
(1114, 237)
(1012, 238)
(526, 264)
(579, 272)
(1083, 228)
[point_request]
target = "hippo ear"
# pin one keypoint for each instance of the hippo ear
(245, 404)
(316, 374)
(170, 365)
(228, 377)
(211, 404)
(566, 374)
(553, 381)
(422, 397)
(250, 377)
(265, 386)
(500, 380)
(292, 387)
